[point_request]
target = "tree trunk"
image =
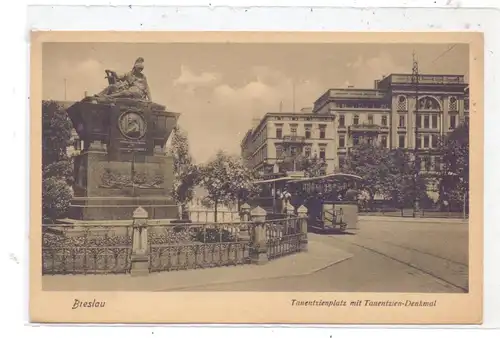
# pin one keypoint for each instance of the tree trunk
(215, 208)
(179, 210)
(185, 211)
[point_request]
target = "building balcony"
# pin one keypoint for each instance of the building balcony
(366, 128)
(293, 139)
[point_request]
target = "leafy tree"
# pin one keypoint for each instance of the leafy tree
(186, 174)
(56, 197)
(227, 179)
(454, 173)
(404, 186)
(370, 162)
(290, 162)
(312, 166)
(57, 175)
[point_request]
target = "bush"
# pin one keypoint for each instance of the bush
(211, 235)
(56, 198)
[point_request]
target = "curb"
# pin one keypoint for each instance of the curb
(186, 288)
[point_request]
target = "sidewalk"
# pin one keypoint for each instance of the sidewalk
(318, 257)
(411, 219)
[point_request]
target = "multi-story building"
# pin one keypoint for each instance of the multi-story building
(388, 114)
(279, 138)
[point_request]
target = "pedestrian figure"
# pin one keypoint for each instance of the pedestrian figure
(285, 198)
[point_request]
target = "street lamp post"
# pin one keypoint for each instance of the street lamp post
(416, 159)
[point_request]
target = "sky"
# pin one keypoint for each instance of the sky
(218, 88)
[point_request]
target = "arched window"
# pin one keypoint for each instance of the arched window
(402, 103)
(453, 104)
(428, 103)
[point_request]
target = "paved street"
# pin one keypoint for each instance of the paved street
(393, 256)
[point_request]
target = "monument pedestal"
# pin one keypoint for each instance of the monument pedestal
(124, 163)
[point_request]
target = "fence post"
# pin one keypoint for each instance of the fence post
(290, 212)
(259, 241)
(140, 248)
(302, 214)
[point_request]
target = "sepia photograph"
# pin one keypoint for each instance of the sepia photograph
(264, 167)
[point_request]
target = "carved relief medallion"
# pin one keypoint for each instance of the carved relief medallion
(132, 125)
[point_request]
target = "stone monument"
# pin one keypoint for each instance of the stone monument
(124, 163)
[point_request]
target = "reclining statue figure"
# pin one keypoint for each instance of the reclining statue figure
(133, 84)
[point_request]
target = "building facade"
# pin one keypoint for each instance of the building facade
(389, 115)
(396, 113)
(278, 139)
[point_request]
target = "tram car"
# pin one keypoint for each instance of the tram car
(331, 200)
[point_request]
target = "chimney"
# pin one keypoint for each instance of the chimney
(85, 94)
(375, 84)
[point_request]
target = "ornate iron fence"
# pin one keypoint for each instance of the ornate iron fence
(283, 237)
(95, 249)
(198, 245)
(141, 248)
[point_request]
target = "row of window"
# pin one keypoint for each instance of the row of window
(428, 163)
(308, 131)
(426, 121)
(364, 105)
(294, 151)
(422, 141)
(294, 118)
(425, 103)
(355, 120)
(423, 121)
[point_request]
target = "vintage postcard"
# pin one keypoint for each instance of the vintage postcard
(210, 177)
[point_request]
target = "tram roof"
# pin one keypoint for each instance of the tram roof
(309, 179)
(279, 179)
(326, 177)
